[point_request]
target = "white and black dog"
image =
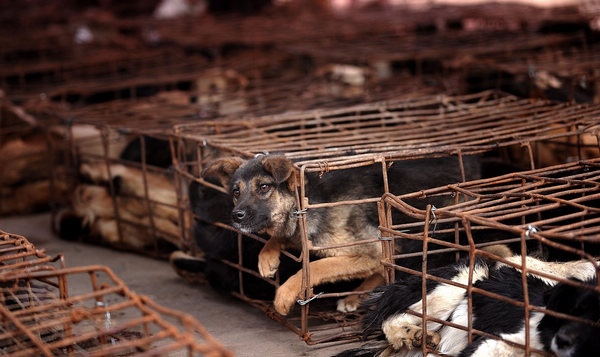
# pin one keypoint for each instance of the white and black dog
(566, 338)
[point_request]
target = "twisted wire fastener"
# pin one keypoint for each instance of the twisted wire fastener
(299, 213)
(264, 153)
(531, 229)
(304, 302)
(383, 238)
(435, 220)
(107, 320)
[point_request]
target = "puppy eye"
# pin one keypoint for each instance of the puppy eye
(264, 187)
(236, 192)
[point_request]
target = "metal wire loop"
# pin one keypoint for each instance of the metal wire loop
(304, 302)
(435, 220)
(531, 229)
(299, 213)
(383, 238)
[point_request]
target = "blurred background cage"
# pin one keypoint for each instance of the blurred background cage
(50, 310)
(30, 153)
(549, 213)
(500, 127)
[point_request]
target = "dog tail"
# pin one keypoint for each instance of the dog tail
(383, 303)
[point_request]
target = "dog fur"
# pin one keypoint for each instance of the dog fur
(263, 191)
(404, 333)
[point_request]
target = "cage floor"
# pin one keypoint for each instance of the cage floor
(241, 328)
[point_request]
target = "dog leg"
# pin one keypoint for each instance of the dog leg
(268, 258)
(351, 302)
(325, 270)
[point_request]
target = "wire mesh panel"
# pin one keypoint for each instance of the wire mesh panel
(364, 137)
(548, 221)
(418, 127)
(49, 311)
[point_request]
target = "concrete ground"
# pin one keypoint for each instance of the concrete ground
(240, 327)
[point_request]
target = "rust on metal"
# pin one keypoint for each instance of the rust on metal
(41, 315)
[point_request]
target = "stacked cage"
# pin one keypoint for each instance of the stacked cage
(44, 316)
(373, 138)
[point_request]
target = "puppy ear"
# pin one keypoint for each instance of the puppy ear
(222, 169)
(282, 169)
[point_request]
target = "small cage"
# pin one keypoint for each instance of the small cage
(378, 134)
(51, 310)
(548, 215)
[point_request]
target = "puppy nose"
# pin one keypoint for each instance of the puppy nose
(238, 215)
(564, 339)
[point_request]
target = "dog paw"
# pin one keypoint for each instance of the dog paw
(268, 262)
(348, 304)
(432, 339)
(410, 336)
(286, 296)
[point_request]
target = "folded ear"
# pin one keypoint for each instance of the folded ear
(222, 169)
(282, 169)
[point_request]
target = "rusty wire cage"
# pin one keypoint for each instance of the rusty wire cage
(549, 213)
(49, 310)
(378, 134)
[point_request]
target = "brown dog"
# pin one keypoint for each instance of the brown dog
(263, 191)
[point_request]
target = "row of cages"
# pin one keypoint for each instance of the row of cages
(49, 309)
(99, 57)
(144, 200)
(124, 136)
(130, 192)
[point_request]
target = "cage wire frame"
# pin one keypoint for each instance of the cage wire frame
(526, 204)
(320, 141)
(42, 314)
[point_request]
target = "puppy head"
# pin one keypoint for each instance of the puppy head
(567, 337)
(262, 190)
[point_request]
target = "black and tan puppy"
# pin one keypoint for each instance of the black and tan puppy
(263, 191)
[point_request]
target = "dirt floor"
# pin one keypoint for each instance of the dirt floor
(242, 328)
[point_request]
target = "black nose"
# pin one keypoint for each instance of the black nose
(238, 215)
(564, 339)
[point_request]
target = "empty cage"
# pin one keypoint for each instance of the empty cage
(44, 315)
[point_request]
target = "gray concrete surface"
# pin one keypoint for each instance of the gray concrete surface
(240, 327)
